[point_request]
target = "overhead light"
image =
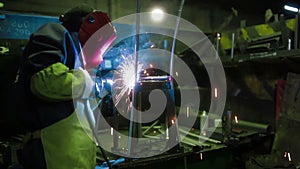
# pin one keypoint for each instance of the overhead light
(157, 14)
(291, 8)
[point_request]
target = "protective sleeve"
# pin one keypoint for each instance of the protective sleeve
(58, 83)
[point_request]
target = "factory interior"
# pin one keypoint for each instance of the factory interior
(215, 84)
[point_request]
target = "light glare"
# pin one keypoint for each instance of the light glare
(291, 8)
(109, 81)
(216, 92)
(289, 157)
(236, 119)
(157, 14)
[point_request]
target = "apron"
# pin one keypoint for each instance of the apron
(67, 146)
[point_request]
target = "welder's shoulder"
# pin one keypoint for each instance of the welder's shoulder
(51, 29)
(49, 40)
(49, 36)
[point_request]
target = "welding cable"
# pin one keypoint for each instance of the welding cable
(172, 57)
(174, 41)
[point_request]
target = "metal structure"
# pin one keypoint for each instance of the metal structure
(247, 43)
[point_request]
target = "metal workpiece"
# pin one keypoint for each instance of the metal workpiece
(248, 125)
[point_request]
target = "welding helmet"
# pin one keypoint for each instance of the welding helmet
(72, 19)
(96, 34)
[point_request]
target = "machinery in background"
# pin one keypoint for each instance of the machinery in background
(276, 34)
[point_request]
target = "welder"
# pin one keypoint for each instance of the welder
(52, 74)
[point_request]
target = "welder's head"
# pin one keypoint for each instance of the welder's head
(96, 34)
(72, 19)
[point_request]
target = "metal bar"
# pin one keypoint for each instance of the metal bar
(200, 137)
(296, 31)
(152, 126)
(265, 128)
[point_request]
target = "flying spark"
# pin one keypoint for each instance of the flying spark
(124, 79)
